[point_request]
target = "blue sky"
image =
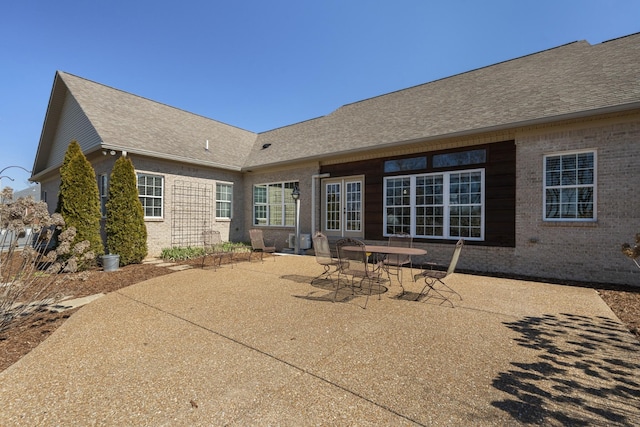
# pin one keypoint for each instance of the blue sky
(259, 65)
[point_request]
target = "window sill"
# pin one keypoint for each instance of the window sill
(149, 219)
(579, 224)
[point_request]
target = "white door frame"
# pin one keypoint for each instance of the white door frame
(343, 215)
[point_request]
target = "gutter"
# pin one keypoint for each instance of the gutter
(164, 156)
(152, 154)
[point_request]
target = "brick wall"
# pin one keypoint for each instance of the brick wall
(581, 251)
(160, 230)
(573, 251)
(578, 250)
(279, 235)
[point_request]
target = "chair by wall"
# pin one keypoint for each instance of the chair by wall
(212, 243)
(258, 245)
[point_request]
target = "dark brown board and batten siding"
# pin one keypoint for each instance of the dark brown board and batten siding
(500, 190)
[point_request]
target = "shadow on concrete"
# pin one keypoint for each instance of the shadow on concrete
(589, 365)
(328, 289)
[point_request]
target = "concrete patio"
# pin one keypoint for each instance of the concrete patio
(257, 344)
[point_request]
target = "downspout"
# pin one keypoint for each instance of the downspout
(313, 199)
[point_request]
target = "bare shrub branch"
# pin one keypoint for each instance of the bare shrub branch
(34, 252)
(633, 252)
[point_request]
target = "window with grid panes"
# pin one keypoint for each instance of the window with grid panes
(151, 193)
(398, 205)
(273, 204)
(103, 187)
(569, 186)
(438, 205)
(224, 197)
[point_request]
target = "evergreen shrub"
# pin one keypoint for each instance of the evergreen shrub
(79, 198)
(125, 227)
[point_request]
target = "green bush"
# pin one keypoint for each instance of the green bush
(125, 227)
(79, 199)
(181, 254)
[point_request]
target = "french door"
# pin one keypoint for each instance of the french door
(343, 207)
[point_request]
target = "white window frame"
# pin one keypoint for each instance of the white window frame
(221, 201)
(146, 198)
(560, 186)
(446, 205)
(275, 205)
(103, 185)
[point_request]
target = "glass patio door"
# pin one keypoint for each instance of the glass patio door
(343, 201)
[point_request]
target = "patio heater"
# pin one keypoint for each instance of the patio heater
(295, 194)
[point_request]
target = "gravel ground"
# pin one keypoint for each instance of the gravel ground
(23, 337)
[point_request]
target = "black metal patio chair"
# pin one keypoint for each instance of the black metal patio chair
(354, 265)
(393, 263)
(324, 257)
(436, 277)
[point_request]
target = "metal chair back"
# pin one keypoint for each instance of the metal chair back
(401, 240)
(324, 257)
(211, 238)
(257, 239)
(455, 257)
(212, 244)
(258, 245)
(354, 262)
(322, 250)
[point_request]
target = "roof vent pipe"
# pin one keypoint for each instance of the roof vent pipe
(206, 147)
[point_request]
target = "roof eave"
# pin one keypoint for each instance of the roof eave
(164, 156)
(48, 117)
(501, 127)
(153, 154)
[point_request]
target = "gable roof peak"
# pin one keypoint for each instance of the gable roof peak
(123, 121)
(66, 75)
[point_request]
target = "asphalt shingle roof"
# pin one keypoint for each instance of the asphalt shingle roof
(144, 126)
(573, 79)
(569, 79)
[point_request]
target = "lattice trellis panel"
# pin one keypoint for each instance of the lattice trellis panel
(192, 212)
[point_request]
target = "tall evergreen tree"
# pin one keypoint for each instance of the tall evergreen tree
(125, 227)
(79, 198)
(72, 150)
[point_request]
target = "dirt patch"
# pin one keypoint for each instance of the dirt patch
(625, 303)
(20, 339)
